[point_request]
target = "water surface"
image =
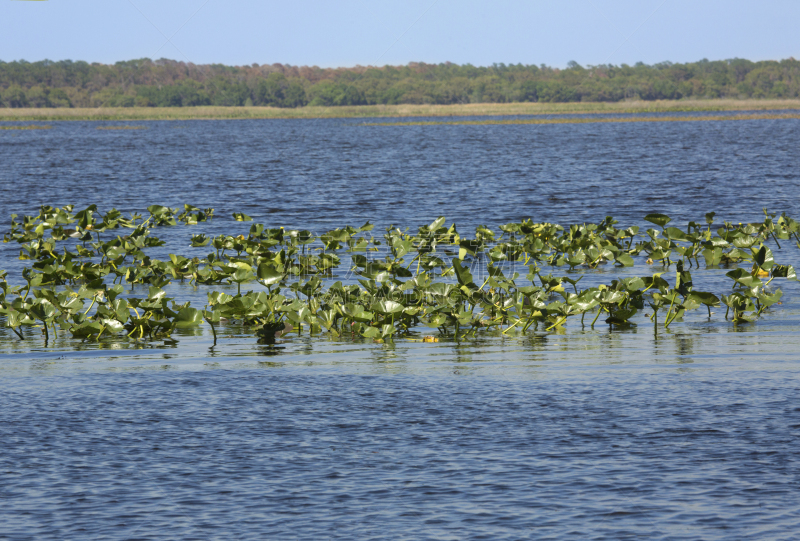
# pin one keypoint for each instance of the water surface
(590, 434)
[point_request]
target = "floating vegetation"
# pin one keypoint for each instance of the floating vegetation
(594, 120)
(348, 282)
(121, 128)
(31, 127)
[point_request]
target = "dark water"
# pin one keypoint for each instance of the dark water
(320, 173)
(686, 434)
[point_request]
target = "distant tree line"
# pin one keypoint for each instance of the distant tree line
(167, 83)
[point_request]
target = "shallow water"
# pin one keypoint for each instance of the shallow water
(590, 434)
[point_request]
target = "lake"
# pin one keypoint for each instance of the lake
(686, 433)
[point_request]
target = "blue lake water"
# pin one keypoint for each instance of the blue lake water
(690, 433)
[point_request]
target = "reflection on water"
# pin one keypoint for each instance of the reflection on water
(489, 354)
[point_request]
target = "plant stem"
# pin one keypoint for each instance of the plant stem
(512, 326)
(90, 306)
(599, 310)
(557, 323)
(213, 330)
(668, 321)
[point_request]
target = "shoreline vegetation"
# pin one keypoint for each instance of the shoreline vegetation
(408, 111)
(514, 121)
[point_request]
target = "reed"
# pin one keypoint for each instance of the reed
(407, 110)
(589, 120)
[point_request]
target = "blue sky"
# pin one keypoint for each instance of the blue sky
(346, 33)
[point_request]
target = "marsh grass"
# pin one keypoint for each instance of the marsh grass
(589, 120)
(25, 127)
(376, 111)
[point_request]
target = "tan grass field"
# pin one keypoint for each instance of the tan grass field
(584, 120)
(377, 111)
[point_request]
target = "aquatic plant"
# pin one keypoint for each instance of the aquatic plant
(121, 128)
(30, 127)
(349, 282)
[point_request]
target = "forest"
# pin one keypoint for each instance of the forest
(169, 83)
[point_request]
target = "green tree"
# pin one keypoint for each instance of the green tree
(14, 96)
(58, 97)
(168, 83)
(37, 97)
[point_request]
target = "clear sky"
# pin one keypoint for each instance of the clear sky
(330, 33)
